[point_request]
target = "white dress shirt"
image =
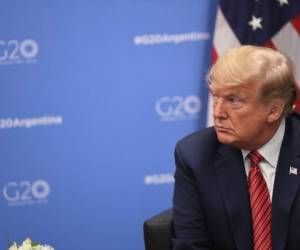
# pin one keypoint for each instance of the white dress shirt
(270, 153)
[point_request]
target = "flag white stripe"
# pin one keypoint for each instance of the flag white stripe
(288, 41)
(224, 37)
(209, 115)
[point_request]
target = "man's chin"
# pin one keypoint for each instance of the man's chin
(225, 138)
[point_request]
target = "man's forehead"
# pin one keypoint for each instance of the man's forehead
(230, 89)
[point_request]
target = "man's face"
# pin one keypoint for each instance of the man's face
(240, 118)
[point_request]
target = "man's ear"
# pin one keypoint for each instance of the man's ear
(275, 111)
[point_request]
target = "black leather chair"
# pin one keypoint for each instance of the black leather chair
(158, 231)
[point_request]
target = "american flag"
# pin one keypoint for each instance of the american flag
(271, 23)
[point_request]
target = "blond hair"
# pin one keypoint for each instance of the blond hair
(271, 69)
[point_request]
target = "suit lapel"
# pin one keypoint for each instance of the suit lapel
(233, 184)
(286, 185)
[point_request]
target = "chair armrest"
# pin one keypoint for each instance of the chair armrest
(158, 231)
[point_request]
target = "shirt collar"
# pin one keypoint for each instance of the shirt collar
(270, 151)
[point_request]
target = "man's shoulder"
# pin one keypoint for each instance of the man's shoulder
(294, 118)
(199, 136)
(200, 141)
(293, 123)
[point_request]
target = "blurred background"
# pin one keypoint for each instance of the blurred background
(94, 96)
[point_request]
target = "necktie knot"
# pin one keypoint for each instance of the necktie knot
(255, 158)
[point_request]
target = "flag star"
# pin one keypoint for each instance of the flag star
(255, 23)
(282, 2)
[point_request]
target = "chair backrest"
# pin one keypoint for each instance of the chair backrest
(158, 231)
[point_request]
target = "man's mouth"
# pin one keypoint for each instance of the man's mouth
(221, 129)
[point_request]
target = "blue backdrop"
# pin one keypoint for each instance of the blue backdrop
(94, 96)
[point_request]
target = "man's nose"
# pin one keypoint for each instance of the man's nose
(219, 109)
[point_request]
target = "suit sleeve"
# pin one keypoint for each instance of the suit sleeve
(191, 231)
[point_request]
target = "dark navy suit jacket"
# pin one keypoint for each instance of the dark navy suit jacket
(211, 206)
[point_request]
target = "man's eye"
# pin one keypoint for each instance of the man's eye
(215, 99)
(234, 101)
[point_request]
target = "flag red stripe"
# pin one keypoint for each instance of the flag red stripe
(214, 55)
(296, 23)
(270, 44)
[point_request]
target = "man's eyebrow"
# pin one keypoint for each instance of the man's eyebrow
(226, 93)
(231, 93)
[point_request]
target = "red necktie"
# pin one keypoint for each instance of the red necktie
(260, 205)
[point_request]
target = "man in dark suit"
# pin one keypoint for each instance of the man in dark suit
(237, 185)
